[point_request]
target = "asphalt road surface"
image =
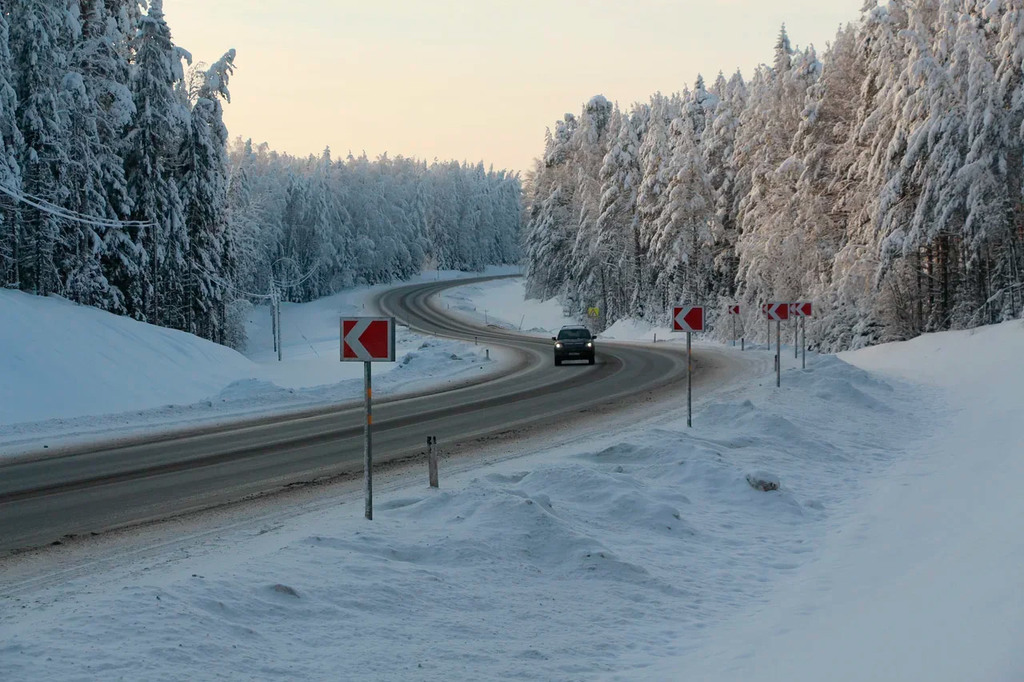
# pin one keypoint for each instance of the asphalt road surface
(97, 488)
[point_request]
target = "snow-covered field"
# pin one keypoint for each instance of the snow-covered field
(73, 373)
(635, 550)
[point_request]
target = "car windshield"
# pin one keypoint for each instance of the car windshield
(572, 334)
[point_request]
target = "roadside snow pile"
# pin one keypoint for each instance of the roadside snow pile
(637, 330)
(565, 564)
(503, 303)
(71, 373)
(59, 359)
(922, 581)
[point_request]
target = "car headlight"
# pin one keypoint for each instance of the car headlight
(558, 345)
(590, 344)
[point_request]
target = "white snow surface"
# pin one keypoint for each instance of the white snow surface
(73, 373)
(634, 549)
(501, 303)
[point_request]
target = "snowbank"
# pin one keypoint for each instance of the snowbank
(923, 579)
(74, 373)
(59, 359)
(503, 303)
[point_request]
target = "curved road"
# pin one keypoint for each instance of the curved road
(98, 488)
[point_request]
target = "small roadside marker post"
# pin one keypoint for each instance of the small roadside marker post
(432, 460)
(368, 340)
(688, 319)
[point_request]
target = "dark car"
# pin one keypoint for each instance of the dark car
(574, 343)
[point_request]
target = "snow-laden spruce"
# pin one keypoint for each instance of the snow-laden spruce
(884, 180)
(117, 188)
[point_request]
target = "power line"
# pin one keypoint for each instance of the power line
(66, 214)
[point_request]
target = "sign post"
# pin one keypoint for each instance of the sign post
(803, 310)
(777, 312)
(734, 312)
(368, 340)
(796, 329)
(688, 319)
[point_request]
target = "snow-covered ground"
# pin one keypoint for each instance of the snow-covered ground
(634, 550)
(73, 373)
(501, 303)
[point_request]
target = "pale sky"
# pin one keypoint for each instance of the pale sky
(471, 79)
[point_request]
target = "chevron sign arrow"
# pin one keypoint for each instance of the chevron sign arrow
(802, 309)
(734, 310)
(368, 339)
(776, 311)
(688, 318)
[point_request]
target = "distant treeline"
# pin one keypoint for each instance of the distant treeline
(117, 188)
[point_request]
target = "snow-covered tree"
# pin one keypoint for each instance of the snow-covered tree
(154, 139)
(10, 171)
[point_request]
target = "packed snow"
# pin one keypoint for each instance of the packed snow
(74, 373)
(635, 548)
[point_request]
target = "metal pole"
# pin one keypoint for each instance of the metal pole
(733, 331)
(795, 332)
(368, 445)
(277, 313)
(778, 352)
(273, 319)
(803, 341)
(432, 460)
(689, 385)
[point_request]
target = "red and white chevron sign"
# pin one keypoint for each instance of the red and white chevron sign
(776, 311)
(368, 339)
(688, 318)
(801, 309)
(734, 310)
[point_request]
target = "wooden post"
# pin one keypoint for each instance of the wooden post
(432, 460)
(368, 444)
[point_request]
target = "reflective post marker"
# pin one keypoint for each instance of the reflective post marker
(432, 460)
(368, 444)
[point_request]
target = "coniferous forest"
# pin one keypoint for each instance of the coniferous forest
(881, 179)
(119, 187)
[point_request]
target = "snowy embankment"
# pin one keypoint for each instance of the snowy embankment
(922, 578)
(501, 303)
(73, 373)
(891, 550)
